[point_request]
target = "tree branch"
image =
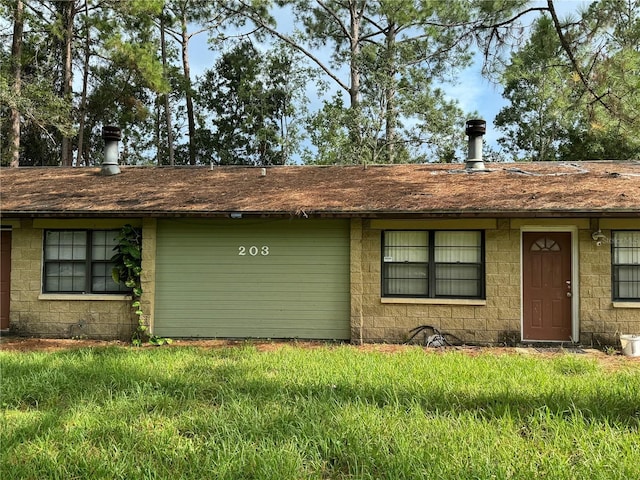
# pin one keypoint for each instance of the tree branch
(567, 48)
(292, 43)
(335, 16)
(514, 18)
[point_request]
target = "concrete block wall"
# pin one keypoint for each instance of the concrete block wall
(148, 275)
(602, 320)
(498, 320)
(34, 314)
(495, 320)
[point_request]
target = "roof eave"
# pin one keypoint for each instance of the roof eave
(457, 213)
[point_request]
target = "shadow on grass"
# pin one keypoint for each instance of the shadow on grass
(168, 381)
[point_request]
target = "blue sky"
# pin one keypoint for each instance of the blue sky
(473, 92)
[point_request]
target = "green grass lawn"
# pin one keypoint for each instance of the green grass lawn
(328, 412)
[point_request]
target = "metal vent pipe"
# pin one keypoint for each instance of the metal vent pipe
(475, 129)
(111, 136)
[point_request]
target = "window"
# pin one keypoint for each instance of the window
(625, 256)
(78, 261)
(433, 264)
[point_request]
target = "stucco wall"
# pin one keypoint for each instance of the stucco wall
(498, 320)
(60, 316)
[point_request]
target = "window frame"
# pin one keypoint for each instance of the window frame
(615, 285)
(431, 265)
(88, 262)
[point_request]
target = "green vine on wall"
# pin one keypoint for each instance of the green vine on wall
(127, 271)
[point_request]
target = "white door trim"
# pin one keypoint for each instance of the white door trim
(575, 276)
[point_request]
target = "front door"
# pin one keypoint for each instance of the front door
(5, 277)
(546, 286)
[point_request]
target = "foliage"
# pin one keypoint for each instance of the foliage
(386, 57)
(269, 411)
(385, 68)
(127, 271)
(250, 95)
(536, 118)
(573, 87)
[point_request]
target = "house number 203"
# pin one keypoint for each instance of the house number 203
(253, 250)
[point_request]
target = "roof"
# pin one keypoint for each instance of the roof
(529, 189)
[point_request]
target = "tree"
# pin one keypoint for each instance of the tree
(59, 40)
(16, 76)
(573, 86)
(374, 45)
(606, 60)
(178, 17)
(537, 117)
(250, 97)
(167, 104)
(35, 111)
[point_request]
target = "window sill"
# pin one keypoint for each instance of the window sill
(84, 296)
(626, 304)
(436, 301)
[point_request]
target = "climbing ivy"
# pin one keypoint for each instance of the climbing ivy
(127, 271)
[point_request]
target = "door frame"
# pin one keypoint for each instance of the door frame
(575, 278)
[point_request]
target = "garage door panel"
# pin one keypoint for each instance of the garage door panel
(273, 279)
(251, 332)
(277, 318)
(213, 271)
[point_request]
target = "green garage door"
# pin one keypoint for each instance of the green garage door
(249, 278)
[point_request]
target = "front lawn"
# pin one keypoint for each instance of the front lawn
(326, 412)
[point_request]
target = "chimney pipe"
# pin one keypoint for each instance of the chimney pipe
(111, 136)
(475, 129)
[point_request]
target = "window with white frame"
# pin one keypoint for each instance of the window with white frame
(79, 261)
(433, 264)
(625, 255)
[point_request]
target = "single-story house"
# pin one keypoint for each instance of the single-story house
(514, 252)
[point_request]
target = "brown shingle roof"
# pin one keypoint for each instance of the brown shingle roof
(607, 188)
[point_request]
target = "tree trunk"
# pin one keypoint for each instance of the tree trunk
(391, 117)
(167, 107)
(83, 99)
(188, 92)
(16, 71)
(355, 128)
(354, 69)
(67, 85)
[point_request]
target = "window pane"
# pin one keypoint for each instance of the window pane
(102, 281)
(458, 280)
(102, 244)
(406, 247)
(98, 284)
(52, 240)
(51, 252)
(626, 265)
(52, 277)
(406, 279)
(627, 282)
(463, 247)
(626, 248)
(65, 245)
(65, 277)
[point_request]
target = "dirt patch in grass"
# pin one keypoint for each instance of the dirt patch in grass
(610, 361)
(52, 344)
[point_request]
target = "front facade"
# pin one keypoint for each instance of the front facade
(543, 279)
(370, 270)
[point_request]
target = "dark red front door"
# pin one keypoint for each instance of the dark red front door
(546, 286)
(5, 277)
